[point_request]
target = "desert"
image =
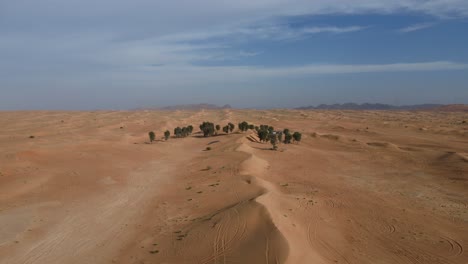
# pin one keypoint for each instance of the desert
(359, 187)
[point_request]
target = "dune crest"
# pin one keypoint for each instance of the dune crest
(296, 238)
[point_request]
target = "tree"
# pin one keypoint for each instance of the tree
(185, 132)
(207, 128)
(190, 129)
(167, 134)
(244, 126)
(226, 129)
(218, 127)
(273, 141)
(287, 138)
(263, 135)
(286, 131)
(251, 126)
(297, 136)
(178, 132)
(152, 136)
(231, 127)
(280, 136)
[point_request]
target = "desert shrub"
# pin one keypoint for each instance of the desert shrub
(31, 137)
(167, 134)
(208, 148)
(151, 136)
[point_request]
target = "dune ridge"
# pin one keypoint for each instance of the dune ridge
(298, 250)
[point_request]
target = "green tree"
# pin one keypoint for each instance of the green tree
(280, 136)
(287, 138)
(297, 136)
(274, 141)
(286, 131)
(207, 128)
(167, 134)
(152, 136)
(263, 135)
(243, 126)
(226, 129)
(218, 127)
(231, 127)
(178, 132)
(251, 126)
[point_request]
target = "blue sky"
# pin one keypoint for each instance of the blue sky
(127, 54)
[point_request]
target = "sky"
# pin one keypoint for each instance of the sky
(114, 54)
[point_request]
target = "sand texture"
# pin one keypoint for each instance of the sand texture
(361, 187)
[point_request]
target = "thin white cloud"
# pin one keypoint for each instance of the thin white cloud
(191, 74)
(336, 30)
(273, 32)
(416, 27)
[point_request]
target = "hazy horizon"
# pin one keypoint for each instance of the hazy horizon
(80, 55)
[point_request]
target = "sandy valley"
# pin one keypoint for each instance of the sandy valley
(361, 187)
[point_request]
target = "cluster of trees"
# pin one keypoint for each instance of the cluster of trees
(265, 133)
(181, 132)
(244, 126)
(268, 134)
(178, 132)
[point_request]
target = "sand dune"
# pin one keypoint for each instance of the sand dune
(361, 187)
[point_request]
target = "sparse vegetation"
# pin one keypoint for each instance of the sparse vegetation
(31, 136)
(151, 136)
(208, 148)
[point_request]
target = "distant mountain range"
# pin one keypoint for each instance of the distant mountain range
(346, 106)
(195, 107)
(368, 106)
